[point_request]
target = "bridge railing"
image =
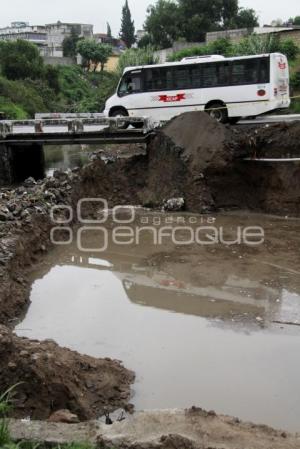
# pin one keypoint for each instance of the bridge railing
(76, 125)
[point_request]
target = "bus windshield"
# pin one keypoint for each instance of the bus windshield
(130, 83)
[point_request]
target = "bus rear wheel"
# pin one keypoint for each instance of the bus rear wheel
(218, 111)
(120, 113)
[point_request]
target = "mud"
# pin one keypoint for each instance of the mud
(193, 158)
(190, 307)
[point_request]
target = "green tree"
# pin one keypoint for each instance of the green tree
(230, 9)
(127, 32)
(70, 44)
(94, 53)
(296, 21)
(52, 77)
(162, 23)
(246, 18)
(169, 20)
(20, 59)
(101, 54)
(199, 17)
(108, 32)
(145, 41)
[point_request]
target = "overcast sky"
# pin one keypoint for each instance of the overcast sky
(98, 12)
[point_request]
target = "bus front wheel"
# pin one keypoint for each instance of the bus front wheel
(218, 111)
(120, 113)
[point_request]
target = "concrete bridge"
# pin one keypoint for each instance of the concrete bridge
(21, 142)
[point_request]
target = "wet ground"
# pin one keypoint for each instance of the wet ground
(200, 324)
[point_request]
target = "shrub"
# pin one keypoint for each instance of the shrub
(219, 47)
(289, 48)
(136, 57)
(20, 59)
(11, 110)
(252, 45)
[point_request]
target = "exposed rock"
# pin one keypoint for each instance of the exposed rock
(29, 182)
(173, 204)
(63, 416)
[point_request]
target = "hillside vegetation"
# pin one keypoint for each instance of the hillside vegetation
(28, 86)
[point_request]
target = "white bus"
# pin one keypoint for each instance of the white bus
(227, 88)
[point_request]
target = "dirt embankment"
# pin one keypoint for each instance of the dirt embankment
(55, 378)
(52, 378)
(208, 161)
(203, 162)
(25, 235)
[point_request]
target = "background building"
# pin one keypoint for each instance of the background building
(22, 30)
(56, 33)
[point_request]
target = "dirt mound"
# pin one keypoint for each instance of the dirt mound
(273, 140)
(203, 141)
(54, 378)
(209, 165)
(204, 162)
(179, 156)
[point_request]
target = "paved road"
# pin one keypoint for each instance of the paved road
(271, 119)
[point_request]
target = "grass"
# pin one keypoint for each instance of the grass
(23, 445)
(78, 92)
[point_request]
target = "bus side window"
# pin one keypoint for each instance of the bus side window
(182, 78)
(148, 79)
(238, 73)
(245, 72)
(222, 73)
(264, 70)
(153, 80)
(196, 76)
(159, 79)
(169, 78)
(209, 75)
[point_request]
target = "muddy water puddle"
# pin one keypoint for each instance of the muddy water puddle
(200, 324)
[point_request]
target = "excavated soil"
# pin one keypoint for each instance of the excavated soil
(193, 158)
(203, 162)
(54, 378)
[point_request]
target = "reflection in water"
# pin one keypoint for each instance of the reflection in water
(65, 157)
(196, 324)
